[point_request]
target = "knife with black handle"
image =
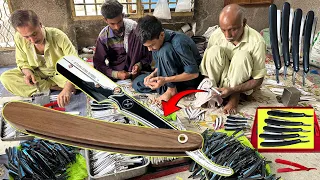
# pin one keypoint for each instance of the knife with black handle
(281, 113)
(306, 43)
(295, 42)
(282, 129)
(280, 122)
(281, 143)
(285, 36)
(274, 38)
(280, 136)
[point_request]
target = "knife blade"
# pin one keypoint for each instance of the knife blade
(101, 88)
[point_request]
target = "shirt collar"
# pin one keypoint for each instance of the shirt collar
(245, 37)
(46, 38)
(168, 35)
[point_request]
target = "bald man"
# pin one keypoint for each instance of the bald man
(234, 60)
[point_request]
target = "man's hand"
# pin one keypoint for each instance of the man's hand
(135, 70)
(29, 77)
(146, 80)
(156, 82)
(225, 91)
(123, 75)
(65, 95)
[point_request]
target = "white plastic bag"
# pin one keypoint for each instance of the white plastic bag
(183, 6)
(315, 51)
(162, 10)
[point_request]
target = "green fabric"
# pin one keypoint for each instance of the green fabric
(78, 170)
(171, 117)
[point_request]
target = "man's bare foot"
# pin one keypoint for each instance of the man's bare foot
(167, 95)
(232, 105)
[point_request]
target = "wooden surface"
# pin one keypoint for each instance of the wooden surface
(94, 134)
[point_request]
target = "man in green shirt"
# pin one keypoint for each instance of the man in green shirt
(234, 60)
(38, 48)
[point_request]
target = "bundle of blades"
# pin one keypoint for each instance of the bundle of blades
(228, 151)
(236, 122)
(194, 114)
(53, 97)
(8, 132)
(108, 112)
(218, 123)
(39, 159)
(103, 163)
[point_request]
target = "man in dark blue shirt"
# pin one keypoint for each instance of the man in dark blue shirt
(177, 60)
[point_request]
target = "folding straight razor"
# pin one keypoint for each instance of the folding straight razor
(279, 136)
(274, 38)
(283, 122)
(281, 113)
(278, 129)
(102, 89)
(277, 143)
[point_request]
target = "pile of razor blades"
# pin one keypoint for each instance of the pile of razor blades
(229, 151)
(103, 163)
(234, 123)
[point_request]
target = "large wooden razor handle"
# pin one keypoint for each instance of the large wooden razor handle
(96, 134)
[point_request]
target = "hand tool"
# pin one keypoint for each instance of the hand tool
(274, 38)
(285, 36)
(88, 133)
(279, 122)
(278, 129)
(101, 88)
(277, 143)
(281, 113)
(53, 105)
(306, 44)
(238, 118)
(290, 163)
(279, 136)
(295, 42)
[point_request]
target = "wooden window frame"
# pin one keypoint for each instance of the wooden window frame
(140, 12)
(248, 2)
(2, 49)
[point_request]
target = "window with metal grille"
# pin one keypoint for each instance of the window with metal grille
(6, 30)
(90, 9)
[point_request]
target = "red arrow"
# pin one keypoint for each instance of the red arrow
(170, 106)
